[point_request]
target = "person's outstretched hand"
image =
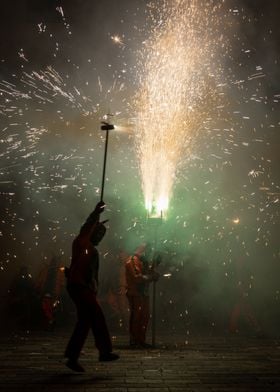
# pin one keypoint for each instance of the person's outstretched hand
(100, 206)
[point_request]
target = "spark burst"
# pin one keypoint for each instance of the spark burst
(179, 86)
(117, 40)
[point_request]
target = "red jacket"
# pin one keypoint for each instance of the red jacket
(137, 282)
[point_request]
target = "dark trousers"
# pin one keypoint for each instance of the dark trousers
(90, 316)
(139, 318)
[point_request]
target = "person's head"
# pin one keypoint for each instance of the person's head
(143, 251)
(148, 249)
(98, 233)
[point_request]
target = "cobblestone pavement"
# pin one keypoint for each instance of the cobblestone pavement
(34, 362)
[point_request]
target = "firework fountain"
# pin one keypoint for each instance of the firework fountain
(180, 75)
(178, 87)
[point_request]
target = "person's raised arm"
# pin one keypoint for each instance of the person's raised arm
(93, 218)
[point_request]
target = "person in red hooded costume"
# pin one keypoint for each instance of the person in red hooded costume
(138, 277)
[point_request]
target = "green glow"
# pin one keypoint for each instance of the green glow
(157, 208)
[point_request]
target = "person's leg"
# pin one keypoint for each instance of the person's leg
(140, 321)
(81, 329)
(145, 317)
(79, 334)
(78, 337)
(132, 323)
(99, 328)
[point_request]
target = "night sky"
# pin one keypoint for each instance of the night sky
(63, 66)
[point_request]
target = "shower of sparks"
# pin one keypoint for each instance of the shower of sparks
(180, 83)
(41, 109)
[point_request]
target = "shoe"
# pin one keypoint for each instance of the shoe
(108, 357)
(74, 365)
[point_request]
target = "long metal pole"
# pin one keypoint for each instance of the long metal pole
(104, 164)
(154, 316)
(154, 294)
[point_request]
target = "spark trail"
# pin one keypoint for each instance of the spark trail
(180, 84)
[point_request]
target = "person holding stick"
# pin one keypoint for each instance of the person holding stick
(82, 284)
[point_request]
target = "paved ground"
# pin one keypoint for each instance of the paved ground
(33, 362)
